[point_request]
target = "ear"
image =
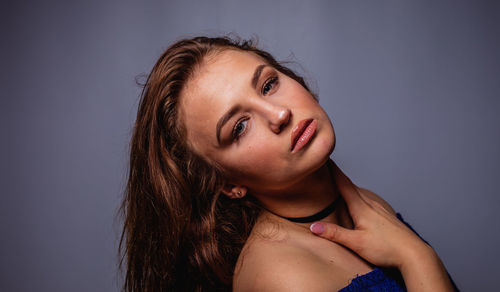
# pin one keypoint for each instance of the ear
(234, 192)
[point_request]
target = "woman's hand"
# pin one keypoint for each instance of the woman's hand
(378, 236)
(382, 239)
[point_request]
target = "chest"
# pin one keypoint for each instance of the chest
(340, 265)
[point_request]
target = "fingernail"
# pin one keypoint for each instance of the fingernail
(317, 228)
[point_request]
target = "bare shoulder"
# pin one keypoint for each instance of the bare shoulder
(267, 265)
(378, 199)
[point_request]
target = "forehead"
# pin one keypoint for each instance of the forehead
(221, 79)
(222, 71)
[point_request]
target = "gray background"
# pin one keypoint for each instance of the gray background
(412, 88)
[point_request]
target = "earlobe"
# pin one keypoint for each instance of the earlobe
(234, 192)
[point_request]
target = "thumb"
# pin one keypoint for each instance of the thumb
(334, 232)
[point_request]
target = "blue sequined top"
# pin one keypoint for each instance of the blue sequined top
(382, 279)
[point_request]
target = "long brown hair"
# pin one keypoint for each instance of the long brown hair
(179, 233)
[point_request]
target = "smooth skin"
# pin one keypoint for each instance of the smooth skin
(255, 143)
(254, 150)
(382, 239)
(279, 256)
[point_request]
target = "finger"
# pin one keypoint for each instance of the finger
(334, 232)
(373, 203)
(348, 191)
(379, 206)
(367, 199)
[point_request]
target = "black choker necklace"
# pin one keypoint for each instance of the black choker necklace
(318, 216)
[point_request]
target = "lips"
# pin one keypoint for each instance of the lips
(302, 134)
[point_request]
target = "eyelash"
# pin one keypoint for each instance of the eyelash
(236, 135)
(271, 81)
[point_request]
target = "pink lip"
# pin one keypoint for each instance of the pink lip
(302, 134)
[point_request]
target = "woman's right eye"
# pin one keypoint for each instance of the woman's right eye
(239, 128)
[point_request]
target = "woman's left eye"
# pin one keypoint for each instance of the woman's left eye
(269, 85)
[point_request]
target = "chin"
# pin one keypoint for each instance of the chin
(326, 144)
(326, 140)
(320, 153)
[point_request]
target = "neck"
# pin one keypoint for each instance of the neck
(307, 197)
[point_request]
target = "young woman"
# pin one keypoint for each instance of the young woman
(231, 187)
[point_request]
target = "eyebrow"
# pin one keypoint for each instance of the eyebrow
(256, 74)
(222, 121)
(233, 110)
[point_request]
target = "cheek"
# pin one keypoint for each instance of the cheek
(255, 160)
(257, 154)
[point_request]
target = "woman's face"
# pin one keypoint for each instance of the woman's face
(262, 127)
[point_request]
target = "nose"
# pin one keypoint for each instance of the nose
(279, 118)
